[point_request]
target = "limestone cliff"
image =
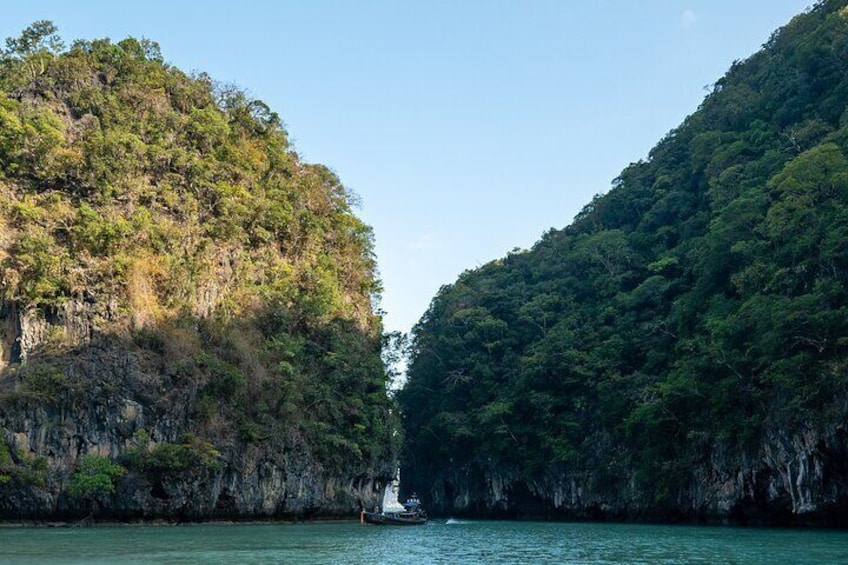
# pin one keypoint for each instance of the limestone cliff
(799, 480)
(110, 397)
(679, 351)
(186, 321)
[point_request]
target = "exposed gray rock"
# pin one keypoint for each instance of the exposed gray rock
(110, 400)
(794, 478)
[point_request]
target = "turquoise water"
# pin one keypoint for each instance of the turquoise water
(438, 542)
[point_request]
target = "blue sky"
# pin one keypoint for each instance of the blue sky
(467, 127)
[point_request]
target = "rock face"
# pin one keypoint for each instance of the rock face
(793, 480)
(114, 400)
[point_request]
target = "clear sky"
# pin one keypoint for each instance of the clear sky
(467, 127)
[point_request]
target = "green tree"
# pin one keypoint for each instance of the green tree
(34, 48)
(94, 478)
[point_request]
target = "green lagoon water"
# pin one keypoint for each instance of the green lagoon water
(438, 542)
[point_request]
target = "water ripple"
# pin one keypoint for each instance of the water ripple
(458, 542)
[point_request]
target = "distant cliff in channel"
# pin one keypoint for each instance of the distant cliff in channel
(680, 351)
(186, 326)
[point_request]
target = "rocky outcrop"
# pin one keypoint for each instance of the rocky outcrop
(104, 395)
(74, 323)
(793, 479)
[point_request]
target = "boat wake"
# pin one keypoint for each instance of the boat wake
(454, 521)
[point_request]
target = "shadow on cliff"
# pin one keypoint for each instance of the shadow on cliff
(273, 415)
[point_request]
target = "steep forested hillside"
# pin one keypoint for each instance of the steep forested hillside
(681, 350)
(186, 326)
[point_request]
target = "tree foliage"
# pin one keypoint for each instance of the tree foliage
(94, 478)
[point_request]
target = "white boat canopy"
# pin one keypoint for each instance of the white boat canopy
(390, 496)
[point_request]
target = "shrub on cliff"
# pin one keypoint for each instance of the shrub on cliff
(94, 478)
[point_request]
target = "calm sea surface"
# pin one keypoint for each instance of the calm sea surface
(438, 542)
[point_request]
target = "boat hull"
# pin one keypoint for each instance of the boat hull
(382, 519)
